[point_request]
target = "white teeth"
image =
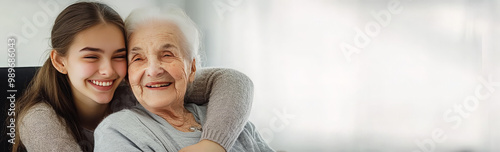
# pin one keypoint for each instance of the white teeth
(104, 84)
(159, 85)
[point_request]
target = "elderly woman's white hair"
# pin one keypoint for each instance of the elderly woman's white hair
(174, 15)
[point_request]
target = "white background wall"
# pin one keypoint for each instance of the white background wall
(411, 77)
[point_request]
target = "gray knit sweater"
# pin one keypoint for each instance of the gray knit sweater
(230, 94)
(137, 129)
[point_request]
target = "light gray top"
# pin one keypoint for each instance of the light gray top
(137, 129)
(230, 93)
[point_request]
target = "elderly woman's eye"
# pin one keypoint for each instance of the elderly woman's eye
(167, 54)
(137, 59)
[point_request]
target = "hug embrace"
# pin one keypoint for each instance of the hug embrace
(137, 85)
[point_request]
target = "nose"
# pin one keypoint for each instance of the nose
(154, 68)
(106, 69)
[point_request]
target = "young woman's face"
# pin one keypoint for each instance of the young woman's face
(96, 63)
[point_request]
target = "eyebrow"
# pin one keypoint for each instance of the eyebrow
(91, 49)
(134, 50)
(167, 46)
(101, 51)
(121, 50)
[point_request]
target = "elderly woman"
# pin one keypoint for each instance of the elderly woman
(162, 57)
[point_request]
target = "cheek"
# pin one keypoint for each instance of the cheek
(81, 70)
(121, 69)
(177, 71)
(134, 75)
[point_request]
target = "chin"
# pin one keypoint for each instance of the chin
(157, 104)
(104, 100)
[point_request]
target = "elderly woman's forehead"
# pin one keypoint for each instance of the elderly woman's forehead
(158, 25)
(156, 29)
(148, 36)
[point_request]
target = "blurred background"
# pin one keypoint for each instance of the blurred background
(337, 75)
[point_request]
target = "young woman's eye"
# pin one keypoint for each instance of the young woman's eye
(90, 57)
(120, 56)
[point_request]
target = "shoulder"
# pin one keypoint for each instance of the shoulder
(250, 127)
(122, 116)
(127, 130)
(42, 106)
(196, 108)
(41, 126)
(123, 119)
(199, 111)
(40, 112)
(250, 130)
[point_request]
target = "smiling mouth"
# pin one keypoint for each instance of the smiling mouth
(102, 83)
(159, 85)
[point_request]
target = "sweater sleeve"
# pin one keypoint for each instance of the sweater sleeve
(230, 93)
(41, 130)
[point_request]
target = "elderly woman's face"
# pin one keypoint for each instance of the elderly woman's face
(158, 72)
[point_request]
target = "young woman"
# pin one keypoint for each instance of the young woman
(80, 84)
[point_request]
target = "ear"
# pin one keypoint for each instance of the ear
(193, 71)
(58, 62)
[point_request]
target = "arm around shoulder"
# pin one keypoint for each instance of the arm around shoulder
(230, 93)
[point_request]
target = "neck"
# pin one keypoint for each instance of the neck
(90, 113)
(177, 116)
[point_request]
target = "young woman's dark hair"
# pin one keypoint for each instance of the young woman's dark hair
(49, 85)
